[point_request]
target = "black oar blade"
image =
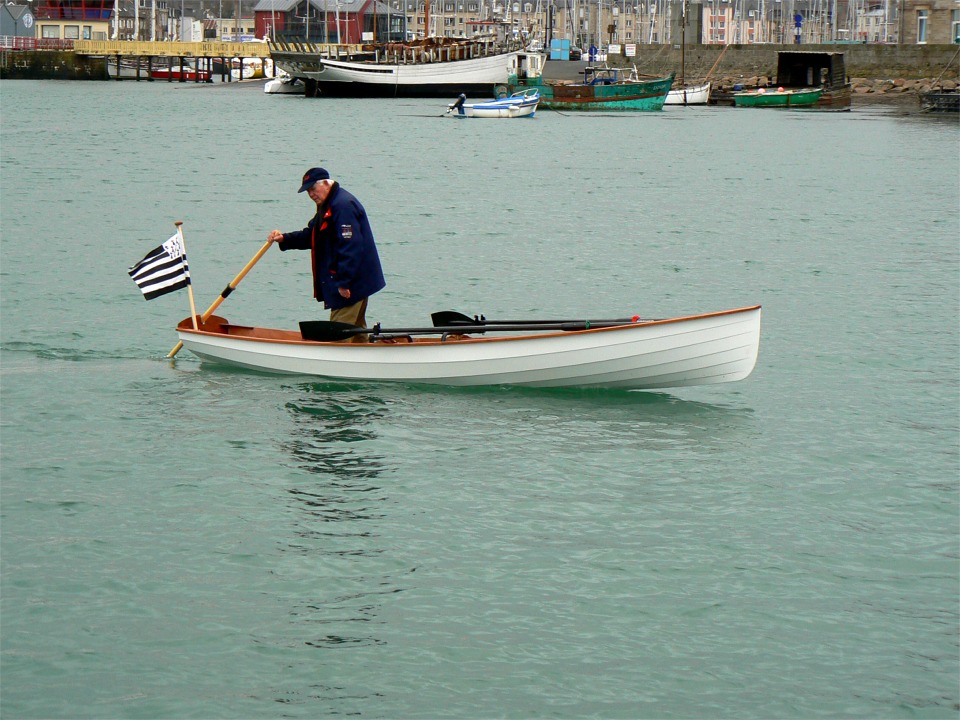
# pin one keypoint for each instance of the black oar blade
(451, 317)
(326, 331)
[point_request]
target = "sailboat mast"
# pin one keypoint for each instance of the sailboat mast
(683, 41)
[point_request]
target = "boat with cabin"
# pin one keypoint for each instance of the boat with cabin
(799, 71)
(432, 67)
(601, 89)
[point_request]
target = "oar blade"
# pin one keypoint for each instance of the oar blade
(444, 318)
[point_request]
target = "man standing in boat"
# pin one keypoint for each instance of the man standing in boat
(346, 266)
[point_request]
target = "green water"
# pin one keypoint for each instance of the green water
(183, 541)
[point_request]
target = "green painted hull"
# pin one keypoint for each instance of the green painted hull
(629, 95)
(777, 98)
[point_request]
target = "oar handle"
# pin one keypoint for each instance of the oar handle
(450, 317)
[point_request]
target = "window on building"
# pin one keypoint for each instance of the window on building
(86, 32)
(955, 27)
(922, 16)
(50, 31)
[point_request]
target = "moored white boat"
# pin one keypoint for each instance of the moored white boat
(520, 104)
(694, 94)
(435, 67)
(696, 350)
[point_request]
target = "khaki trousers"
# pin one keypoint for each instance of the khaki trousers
(355, 314)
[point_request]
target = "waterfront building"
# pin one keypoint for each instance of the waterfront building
(73, 19)
(933, 22)
(16, 21)
(585, 24)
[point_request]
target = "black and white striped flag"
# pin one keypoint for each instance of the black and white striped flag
(163, 270)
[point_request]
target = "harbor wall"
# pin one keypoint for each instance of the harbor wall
(50, 65)
(875, 61)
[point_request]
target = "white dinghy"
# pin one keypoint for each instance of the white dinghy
(520, 104)
(703, 349)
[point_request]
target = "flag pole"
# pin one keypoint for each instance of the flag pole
(193, 307)
(226, 291)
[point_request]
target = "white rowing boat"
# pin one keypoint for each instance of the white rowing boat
(696, 94)
(645, 354)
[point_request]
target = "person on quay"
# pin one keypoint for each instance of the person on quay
(346, 265)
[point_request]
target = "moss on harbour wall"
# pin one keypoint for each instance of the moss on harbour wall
(50, 65)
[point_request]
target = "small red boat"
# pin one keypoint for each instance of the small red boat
(187, 74)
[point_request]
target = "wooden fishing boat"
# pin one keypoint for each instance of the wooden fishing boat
(602, 89)
(779, 98)
(703, 349)
(520, 104)
(423, 68)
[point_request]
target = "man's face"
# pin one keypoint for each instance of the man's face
(318, 193)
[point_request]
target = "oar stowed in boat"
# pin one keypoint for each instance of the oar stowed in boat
(328, 331)
(451, 317)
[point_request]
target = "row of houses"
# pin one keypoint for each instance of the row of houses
(585, 24)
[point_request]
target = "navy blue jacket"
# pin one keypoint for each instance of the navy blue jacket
(343, 251)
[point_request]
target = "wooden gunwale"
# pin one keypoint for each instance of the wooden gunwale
(293, 337)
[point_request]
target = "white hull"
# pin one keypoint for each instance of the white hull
(515, 106)
(689, 95)
(698, 350)
(283, 86)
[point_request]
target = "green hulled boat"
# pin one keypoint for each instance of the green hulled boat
(778, 98)
(602, 89)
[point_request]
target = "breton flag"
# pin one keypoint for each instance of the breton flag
(163, 270)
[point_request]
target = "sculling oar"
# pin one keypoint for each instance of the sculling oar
(328, 331)
(226, 291)
(450, 317)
